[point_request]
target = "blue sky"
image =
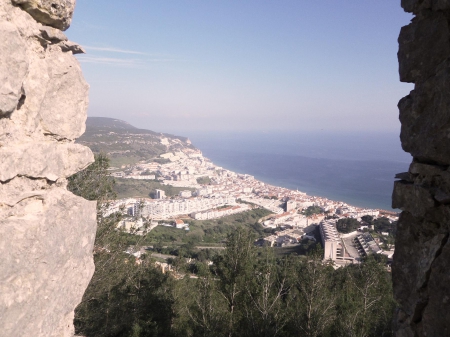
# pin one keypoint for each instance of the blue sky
(249, 65)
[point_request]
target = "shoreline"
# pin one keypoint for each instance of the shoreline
(321, 196)
(244, 186)
(357, 167)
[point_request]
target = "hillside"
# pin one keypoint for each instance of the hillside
(126, 144)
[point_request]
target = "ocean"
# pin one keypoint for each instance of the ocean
(357, 168)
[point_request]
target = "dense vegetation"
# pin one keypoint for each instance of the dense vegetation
(248, 291)
(347, 225)
(204, 180)
(211, 231)
(311, 210)
(126, 144)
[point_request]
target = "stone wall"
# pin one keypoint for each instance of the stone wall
(421, 273)
(46, 233)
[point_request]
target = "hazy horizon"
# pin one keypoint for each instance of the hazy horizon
(238, 66)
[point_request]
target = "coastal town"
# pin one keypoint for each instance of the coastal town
(213, 192)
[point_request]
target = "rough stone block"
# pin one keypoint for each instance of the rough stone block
(52, 34)
(423, 45)
(75, 48)
(415, 6)
(425, 118)
(21, 188)
(63, 108)
(414, 198)
(55, 13)
(46, 263)
(13, 67)
(418, 241)
(43, 160)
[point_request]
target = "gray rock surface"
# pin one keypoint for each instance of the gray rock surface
(52, 34)
(63, 108)
(13, 68)
(421, 267)
(55, 13)
(46, 233)
(75, 48)
(43, 160)
(46, 262)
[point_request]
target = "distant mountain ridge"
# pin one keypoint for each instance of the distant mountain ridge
(106, 122)
(126, 144)
(94, 124)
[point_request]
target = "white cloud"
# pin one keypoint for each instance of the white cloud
(120, 62)
(110, 61)
(115, 50)
(103, 52)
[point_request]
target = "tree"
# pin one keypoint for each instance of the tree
(265, 306)
(347, 225)
(311, 210)
(367, 218)
(233, 269)
(313, 296)
(365, 302)
(94, 183)
(204, 180)
(200, 309)
(123, 297)
(383, 224)
(247, 292)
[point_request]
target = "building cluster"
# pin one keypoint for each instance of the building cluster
(285, 237)
(220, 212)
(366, 244)
(186, 166)
(169, 208)
(348, 248)
(215, 192)
(290, 218)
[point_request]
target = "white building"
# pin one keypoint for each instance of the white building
(144, 177)
(203, 191)
(217, 213)
(166, 208)
(331, 240)
(160, 194)
(247, 190)
(290, 205)
(185, 194)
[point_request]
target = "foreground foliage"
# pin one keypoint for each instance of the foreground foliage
(247, 291)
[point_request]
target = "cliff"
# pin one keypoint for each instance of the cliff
(46, 233)
(420, 270)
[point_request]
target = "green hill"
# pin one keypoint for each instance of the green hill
(126, 144)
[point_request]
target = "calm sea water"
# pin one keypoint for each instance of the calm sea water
(357, 168)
